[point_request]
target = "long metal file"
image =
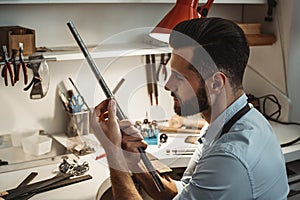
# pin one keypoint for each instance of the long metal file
(109, 94)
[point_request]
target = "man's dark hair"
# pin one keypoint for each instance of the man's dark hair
(222, 39)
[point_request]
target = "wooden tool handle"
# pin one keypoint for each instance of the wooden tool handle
(178, 130)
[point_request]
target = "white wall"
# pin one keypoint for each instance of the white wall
(293, 63)
(96, 23)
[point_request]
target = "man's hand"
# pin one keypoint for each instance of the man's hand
(105, 125)
(132, 138)
(131, 141)
(107, 130)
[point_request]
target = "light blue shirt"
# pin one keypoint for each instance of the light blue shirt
(245, 163)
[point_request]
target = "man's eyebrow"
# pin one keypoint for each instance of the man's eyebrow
(176, 72)
(178, 75)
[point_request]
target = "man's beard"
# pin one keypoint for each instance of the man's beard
(197, 104)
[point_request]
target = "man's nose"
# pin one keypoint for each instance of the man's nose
(167, 89)
(169, 86)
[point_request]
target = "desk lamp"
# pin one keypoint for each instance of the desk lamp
(183, 10)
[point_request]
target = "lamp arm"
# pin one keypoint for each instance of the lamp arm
(203, 10)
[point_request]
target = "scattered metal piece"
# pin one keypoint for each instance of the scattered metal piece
(73, 168)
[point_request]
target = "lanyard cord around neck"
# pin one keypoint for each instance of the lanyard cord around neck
(234, 119)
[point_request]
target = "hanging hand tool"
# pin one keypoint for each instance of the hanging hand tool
(35, 81)
(162, 67)
(149, 79)
(121, 115)
(271, 4)
(23, 65)
(15, 65)
(153, 68)
(203, 10)
(37, 91)
(6, 68)
(162, 60)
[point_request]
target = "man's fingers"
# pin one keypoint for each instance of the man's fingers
(103, 116)
(132, 131)
(106, 110)
(125, 123)
(132, 138)
(102, 107)
(133, 146)
(129, 129)
(112, 109)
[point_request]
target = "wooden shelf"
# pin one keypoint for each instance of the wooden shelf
(261, 39)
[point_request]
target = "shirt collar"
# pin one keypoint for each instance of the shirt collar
(214, 130)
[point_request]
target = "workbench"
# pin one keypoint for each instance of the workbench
(99, 171)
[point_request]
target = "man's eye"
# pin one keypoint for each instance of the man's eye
(177, 76)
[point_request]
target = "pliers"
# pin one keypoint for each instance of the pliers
(6, 68)
(15, 65)
(22, 63)
(162, 66)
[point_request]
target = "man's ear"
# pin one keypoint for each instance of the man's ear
(218, 81)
